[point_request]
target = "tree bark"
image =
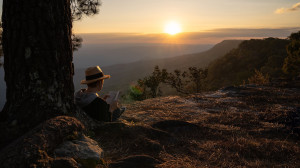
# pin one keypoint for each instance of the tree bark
(38, 66)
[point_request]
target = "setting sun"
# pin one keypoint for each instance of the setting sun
(172, 28)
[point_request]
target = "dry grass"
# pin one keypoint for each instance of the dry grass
(251, 127)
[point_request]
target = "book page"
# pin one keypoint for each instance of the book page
(113, 96)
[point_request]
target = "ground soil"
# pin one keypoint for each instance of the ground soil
(247, 126)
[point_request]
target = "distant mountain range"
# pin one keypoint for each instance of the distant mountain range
(238, 65)
(122, 75)
(134, 61)
(111, 54)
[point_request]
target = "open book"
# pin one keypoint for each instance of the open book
(113, 96)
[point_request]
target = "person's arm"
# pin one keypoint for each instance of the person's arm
(116, 110)
(114, 106)
(98, 109)
(103, 110)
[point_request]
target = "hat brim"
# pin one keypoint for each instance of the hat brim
(94, 80)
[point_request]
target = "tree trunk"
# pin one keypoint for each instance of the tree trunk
(38, 57)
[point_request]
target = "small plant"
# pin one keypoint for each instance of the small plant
(137, 92)
(259, 78)
(149, 86)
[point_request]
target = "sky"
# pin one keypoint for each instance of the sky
(150, 16)
(201, 21)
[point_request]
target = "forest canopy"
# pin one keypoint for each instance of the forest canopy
(265, 55)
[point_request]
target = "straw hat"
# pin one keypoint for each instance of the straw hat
(93, 74)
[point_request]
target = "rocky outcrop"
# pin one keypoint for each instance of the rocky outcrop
(50, 145)
(231, 127)
(237, 126)
(83, 149)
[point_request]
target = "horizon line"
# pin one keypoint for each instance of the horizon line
(200, 31)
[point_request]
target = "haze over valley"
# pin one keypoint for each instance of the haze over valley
(105, 55)
(125, 74)
(130, 56)
(111, 54)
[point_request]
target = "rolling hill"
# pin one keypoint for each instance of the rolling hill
(124, 74)
(137, 61)
(111, 54)
(266, 55)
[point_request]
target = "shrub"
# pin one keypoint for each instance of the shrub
(259, 78)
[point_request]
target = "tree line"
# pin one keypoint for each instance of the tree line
(255, 61)
(184, 82)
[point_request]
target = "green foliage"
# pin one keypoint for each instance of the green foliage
(176, 80)
(76, 42)
(152, 82)
(259, 78)
(149, 86)
(291, 65)
(79, 8)
(137, 92)
(184, 82)
(84, 7)
(238, 65)
(197, 75)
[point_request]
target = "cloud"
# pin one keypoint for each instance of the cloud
(207, 37)
(295, 7)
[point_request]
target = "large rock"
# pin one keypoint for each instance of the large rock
(83, 149)
(35, 148)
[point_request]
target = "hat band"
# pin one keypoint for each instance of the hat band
(95, 76)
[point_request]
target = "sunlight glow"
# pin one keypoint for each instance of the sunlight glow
(172, 28)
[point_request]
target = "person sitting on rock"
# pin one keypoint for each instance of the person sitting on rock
(89, 100)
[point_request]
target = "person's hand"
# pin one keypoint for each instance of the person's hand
(113, 106)
(105, 97)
